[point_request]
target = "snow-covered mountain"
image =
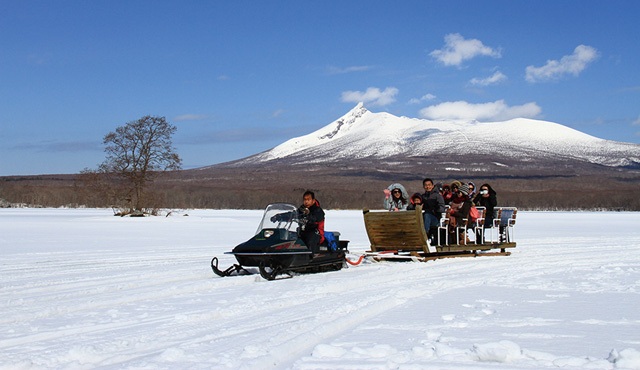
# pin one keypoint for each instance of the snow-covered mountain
(362, 134)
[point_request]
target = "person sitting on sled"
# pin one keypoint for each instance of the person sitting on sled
(433, 208)
(396, 198)
(416, 200)
(311, 221)
(460, 214)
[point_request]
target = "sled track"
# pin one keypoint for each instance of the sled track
(97, 298)
(151, 310)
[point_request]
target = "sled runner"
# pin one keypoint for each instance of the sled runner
(402, 236)
(276, 248)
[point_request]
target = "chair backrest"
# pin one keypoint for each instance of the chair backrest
(401, 230)
(446, 217)
(506, 215)
(481, 216)
(512, 220)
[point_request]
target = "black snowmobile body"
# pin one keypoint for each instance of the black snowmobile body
(277, 249)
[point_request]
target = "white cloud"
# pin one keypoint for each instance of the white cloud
(494, 111)
(494, 79)
(426, 97)
(373, 95)
(457, 50)
(190, 117)
(636, 122)
(572, 64)
(277, 113)
(333, 70)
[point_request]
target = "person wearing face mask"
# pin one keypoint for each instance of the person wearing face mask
(488, 199)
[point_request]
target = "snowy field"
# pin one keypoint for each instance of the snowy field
(81, 289)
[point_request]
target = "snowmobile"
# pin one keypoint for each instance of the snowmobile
(277, 249)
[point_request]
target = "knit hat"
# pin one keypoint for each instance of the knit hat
(464, 189)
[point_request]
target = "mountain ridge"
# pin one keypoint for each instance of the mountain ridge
(361, 134)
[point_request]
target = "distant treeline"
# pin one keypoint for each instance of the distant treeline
(256, 190)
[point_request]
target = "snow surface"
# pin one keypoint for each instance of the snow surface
(83, 289)
(361, 133)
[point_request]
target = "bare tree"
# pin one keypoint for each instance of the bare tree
(137, 152)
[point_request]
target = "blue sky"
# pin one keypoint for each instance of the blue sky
(240, 77)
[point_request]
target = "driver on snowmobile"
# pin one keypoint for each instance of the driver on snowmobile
(311, 221)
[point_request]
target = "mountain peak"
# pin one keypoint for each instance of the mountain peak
(358, 109)
(332, 131)
(345, 121)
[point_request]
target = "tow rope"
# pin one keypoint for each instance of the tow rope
(359, 260)
(356, 263)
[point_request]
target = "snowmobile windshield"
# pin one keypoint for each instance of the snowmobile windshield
(279, 216)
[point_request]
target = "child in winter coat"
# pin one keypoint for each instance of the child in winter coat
(416, 199)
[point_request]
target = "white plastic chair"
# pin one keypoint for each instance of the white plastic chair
(478, 229)
(444, 225)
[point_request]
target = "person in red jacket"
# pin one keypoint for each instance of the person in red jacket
(311, 221)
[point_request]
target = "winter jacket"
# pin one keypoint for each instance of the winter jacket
(312, 222)
(490, 203)
(461, 210)
(412, 204)
(391, 203)
(433, 202)
(447, 195)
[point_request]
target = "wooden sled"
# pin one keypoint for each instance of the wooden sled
(401, 236)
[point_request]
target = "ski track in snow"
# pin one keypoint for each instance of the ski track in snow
(81, 289)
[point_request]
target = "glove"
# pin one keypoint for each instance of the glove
(280, 217)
